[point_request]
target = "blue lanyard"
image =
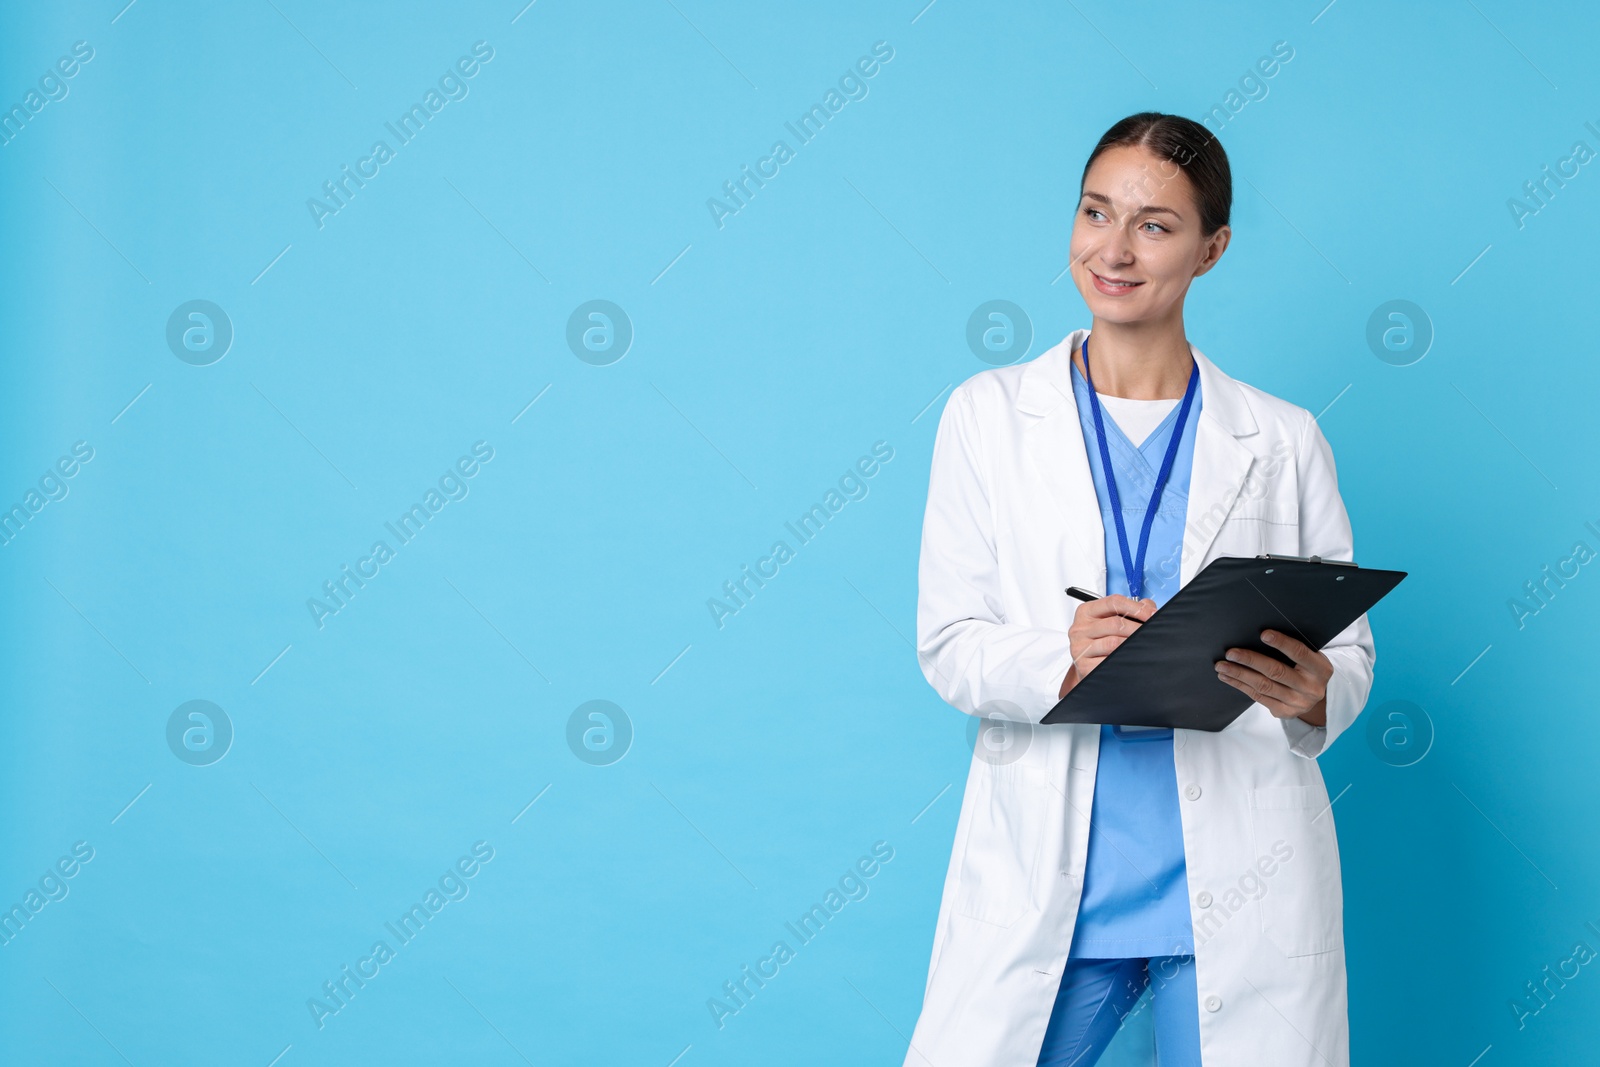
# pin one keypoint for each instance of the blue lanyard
(1134, 569)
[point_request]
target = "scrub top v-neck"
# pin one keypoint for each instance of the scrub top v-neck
(1135, 899)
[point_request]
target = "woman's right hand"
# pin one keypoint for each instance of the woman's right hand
(1099, 626)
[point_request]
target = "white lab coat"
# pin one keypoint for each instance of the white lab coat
(1012, 520)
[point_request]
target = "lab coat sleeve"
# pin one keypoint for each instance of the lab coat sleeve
(1325, 531)
(978, 660)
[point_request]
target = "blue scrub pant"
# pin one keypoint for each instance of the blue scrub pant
(1096, 995)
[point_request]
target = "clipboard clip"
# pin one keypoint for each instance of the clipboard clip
(1307, 559)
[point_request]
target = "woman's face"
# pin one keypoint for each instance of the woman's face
(1136, 241)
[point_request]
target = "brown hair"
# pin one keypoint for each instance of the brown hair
(1195, 150)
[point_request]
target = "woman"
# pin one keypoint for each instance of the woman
(1091, 863)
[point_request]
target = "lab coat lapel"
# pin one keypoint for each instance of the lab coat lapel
(1055, 445)
(1221, 461)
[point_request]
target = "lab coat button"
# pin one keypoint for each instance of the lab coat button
(1191, 791)
(1203, 899)
(1213, 1003)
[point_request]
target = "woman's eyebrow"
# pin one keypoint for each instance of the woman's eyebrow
(1143, 209)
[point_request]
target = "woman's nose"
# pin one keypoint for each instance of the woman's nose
(1117, 250)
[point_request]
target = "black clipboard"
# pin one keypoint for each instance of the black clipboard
(1164, 674)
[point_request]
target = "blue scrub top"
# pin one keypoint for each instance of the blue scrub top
(1136, 888)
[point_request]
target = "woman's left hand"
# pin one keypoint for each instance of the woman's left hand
(1297, 692)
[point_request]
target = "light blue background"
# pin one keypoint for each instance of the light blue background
(827, 315)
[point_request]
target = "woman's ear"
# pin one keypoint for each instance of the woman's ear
(1215, 245)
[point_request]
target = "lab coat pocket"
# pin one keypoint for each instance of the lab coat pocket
(1302, 902)
(1256, 526)
(1004, 834)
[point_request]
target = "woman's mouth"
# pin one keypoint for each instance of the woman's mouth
(1114, 286)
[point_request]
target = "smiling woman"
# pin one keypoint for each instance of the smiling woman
(1094, 857)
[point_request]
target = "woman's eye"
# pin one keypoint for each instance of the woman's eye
(1157, 225)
